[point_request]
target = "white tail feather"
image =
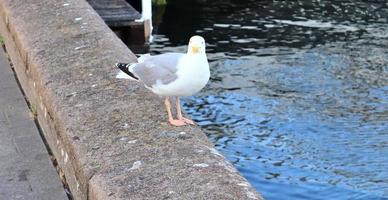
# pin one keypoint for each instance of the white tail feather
(143, 57)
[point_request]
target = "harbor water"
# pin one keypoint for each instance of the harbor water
(298, 96)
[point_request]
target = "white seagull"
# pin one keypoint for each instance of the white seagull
(172, 74)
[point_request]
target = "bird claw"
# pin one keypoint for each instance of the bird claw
(177, 122)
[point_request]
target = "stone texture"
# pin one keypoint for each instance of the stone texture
(26, 171)
(108, 135)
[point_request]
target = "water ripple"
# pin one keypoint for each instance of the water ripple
(298, 95)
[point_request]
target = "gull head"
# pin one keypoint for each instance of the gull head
(196, 45)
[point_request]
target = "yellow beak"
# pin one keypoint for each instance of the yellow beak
(195, 49)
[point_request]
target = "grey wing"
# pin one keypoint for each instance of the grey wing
(158, 68)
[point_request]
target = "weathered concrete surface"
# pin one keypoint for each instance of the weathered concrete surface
(26, 171)
(109, 136)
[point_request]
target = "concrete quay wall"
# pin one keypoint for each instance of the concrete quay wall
(109, 136)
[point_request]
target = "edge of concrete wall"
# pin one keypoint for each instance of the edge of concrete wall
(108, 135)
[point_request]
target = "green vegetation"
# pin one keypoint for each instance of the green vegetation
(34, 111)
(159, 2)
(1, 40)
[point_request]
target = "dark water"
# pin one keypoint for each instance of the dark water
(298, 99)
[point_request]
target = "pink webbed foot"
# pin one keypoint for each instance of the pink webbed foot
(187, 121)
(177, 122)
(179, 113)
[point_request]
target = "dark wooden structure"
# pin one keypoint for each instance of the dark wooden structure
(121, 17)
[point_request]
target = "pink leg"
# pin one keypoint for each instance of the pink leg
(175, 122)
(179, 113)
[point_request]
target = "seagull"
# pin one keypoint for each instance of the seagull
(171, 75)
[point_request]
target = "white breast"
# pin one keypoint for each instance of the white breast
(193, 74)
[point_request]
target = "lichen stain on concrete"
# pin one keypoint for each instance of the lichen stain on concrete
(66, 158)
(251, 195)
(243, 184)
(80, 47)
(246, 187)
(136, 165)
(132, 142)
(125, 125)
(202, 165)
(215, 152)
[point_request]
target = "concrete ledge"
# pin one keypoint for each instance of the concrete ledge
(109, 137)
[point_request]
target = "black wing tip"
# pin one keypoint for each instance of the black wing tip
(125, 68)
(122, 65)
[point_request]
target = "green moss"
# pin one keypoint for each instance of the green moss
(34, 111)
(159, 2)
(1, 40)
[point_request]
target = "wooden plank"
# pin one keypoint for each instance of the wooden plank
(116, 13)
(120, 16)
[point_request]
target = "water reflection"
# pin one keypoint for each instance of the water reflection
(298, 96)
